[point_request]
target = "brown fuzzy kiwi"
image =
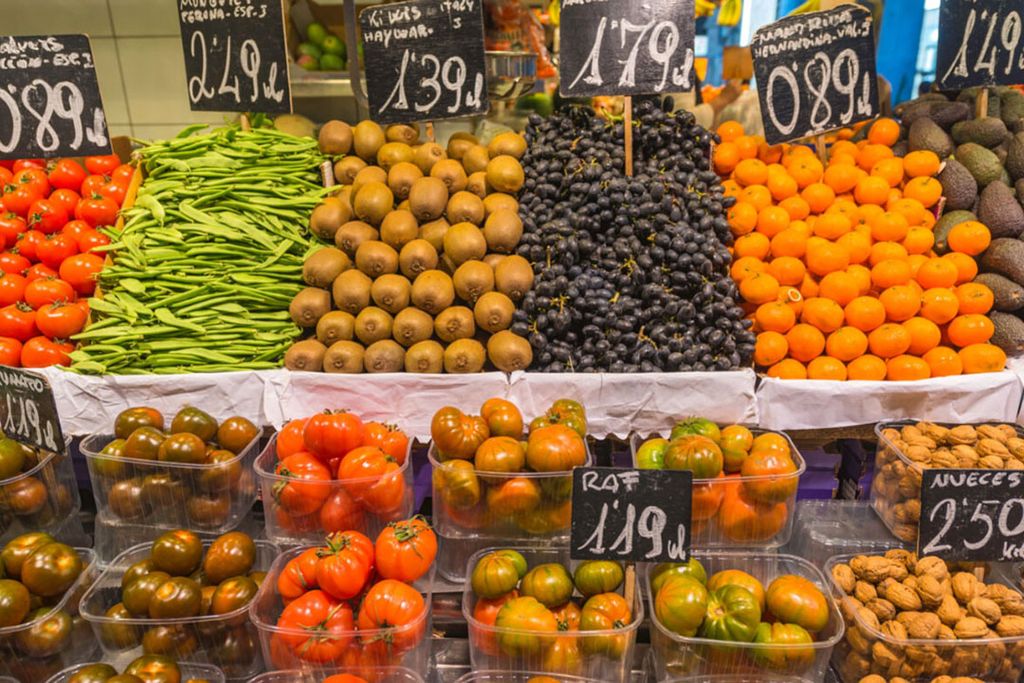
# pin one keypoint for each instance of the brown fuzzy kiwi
(428, 198)
(503, 230)
(509, 352)
(373, 324)
(373, 202)
(345, 357)
(494, 259)
(416, 257)
(428, 154)
(352, 234)
(465, 207)
(399, 228)
(401, 132)
(472, 280)
(496, 201)
(305, 356)
(343, 193)
(412, 326)
(401, 177)
(512, 144)
(328, 216)
(493, 312)
(351, 291)
(460, 143)
(370, 174)
(368, 137)
(335, 138)
(455, 322)
(345, 170)
(464, 242)
(513, 277)
(433, 291)
(434, 232)
(334, 327)
(402, 205)
(376, 258)
(476, 159)
(385, 355)
(309, 305)
(505, 174)
(323, 265)
(464, 356)
(477, 184)
(391, 292)
(447, 265)
(425, 357)
(392, 153)
(451, 173)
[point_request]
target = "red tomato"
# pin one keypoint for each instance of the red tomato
(47, 216)
(316, 627)
(123, 174)
(22, 164)
(91, 186)
(80, 271)
(12, 288)
(114, 192)
(18, 198)
(102, 165)
(298, 576)
(75, 229)
(345, 564)
(33, 178)
(55, 249)
(97, 212)
(11, 262)
(28, 244)
(397, 608)
(486, 612)
(344, 678)
(11, 227)
(307, 485)
(332, 435)
(289, 439)
(5, 175)
(60, 321)
(388, 438)
(373, 478)
(341, 512)
(38, 271)
(40, 352)
(90, 239)
(10, 352)
(67, 174)
(18, 321)
(44, 291)
(405, 550)
(66, 199)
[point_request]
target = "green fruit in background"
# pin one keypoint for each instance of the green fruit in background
(308, 63)
(316, 32)
(331, 62)
(333, 45)
(538, 102)
(311, 50)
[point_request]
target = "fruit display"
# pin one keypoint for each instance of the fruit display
(520, 677)
(391, 674)
(490, 483)
(775, 612)
(41, 581)
(322, 50)
(419, 273)
(51, 217)
(37, 488)
(631, 274)
(744, 481)
(195, 472)
(349, 604)
(144, 669)
(906, 449)
(209, 257)
(184, 598)
(923, 619)
(333, 472)
(532, 609)
(839, 266)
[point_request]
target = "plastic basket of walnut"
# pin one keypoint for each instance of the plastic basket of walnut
(919, 620)
(906, 449)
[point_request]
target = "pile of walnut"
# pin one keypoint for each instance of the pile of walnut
(897, 484)
(895, 599)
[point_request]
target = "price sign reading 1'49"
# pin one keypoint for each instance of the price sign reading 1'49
(49, 98)
(626, 47)
(815, 72)
(425, 60)
(235, 57)
(981, 42)
(28, 412)
(630, 515)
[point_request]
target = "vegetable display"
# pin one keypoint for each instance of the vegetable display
(144, 669)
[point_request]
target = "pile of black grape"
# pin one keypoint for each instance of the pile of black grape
(632, 274)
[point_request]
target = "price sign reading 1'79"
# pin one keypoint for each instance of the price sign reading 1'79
(630, 515)
(981, 42)
(972, 515)
(28, 412)
(626, 47)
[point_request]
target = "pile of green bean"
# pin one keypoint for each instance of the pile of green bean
(209, 258)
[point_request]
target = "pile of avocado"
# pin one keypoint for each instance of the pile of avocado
(322, 50)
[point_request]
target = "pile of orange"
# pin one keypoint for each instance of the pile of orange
(836, 267)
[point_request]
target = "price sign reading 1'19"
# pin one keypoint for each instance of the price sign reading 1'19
(630, 515)
(235, 56)
(28, 412)
(425, 60)
(981, 42)
(815, 72)
(625, 47)
(972, 515)
(49, 98)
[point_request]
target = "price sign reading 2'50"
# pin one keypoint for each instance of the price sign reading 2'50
(631, 515)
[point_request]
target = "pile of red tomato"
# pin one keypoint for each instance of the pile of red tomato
(50, 213)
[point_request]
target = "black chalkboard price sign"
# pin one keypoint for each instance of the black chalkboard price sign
(981, 42)
(235, 56)
(972, 515)
(815, 72)
(49, 98)
(425, 60)
(28, 412)
(630, 515)
(626, 47)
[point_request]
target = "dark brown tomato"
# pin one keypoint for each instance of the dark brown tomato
(194, 421)
(19, 548)
(258, 577)
(235, 433)
(46, 636)
(130, 419)
(137, 571)
(125, 678)
(174, 641)
(12, 458)
(14, 602)
(183, 448)
(207, 512)
(224, 472)
(144, 443)
(93, 673)
(177, 597)
(126, 499)
(233, 554)
(162, 491)
(25, 496)
(111, 466)
(136, 597)
(233, 594)
(178, 552)
(206, 593)
(155, 669)
(51, 569)
(118, 636)
(235, 652)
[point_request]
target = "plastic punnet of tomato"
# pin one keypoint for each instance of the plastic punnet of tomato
(134, 606)
(395, 674)
(744, 480)
(521, 677)
(738, 613)
(147, 667)
(38, 491)
(534, 609)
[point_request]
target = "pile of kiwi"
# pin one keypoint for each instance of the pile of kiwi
(419, 271)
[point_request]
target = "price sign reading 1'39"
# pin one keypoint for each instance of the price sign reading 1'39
(981, 42)
(235, 56)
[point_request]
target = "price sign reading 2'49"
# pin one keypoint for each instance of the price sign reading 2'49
(626, 47)
(815, 72)
(630, 515)
(981, 42)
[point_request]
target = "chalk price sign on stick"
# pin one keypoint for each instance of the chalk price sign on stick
(630, 515)
(28, 412)
(49, 98)
(972, 515)
(815, 73)
(981, 42)
(235, 57)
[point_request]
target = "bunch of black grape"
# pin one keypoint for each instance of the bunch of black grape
(631, 274)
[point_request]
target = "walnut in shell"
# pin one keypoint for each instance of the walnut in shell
(985, 609)
(970, 627)
(844, 577)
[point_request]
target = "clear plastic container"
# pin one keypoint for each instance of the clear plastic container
(23, 510)
(30, 654)
(825, 528)
(359, 652)
(113, 537)
(347, 503)
(677, 657)
(189, 671)
(865, 648)
(518, 677)
(227, 641)
(724, 518)
(549, 520)
(561, 652)
(384, 675)
(169, 495)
